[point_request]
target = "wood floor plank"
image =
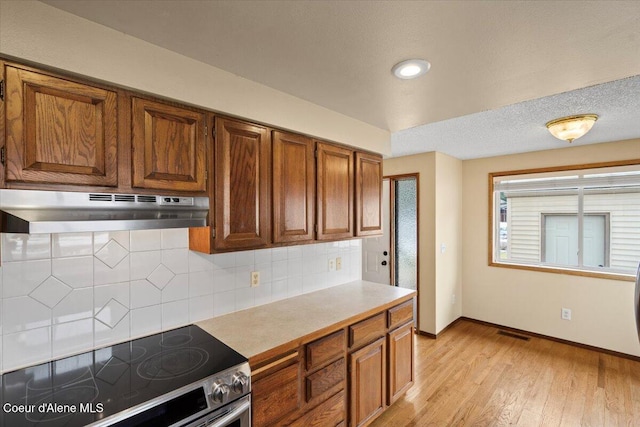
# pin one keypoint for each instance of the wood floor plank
(473, 376)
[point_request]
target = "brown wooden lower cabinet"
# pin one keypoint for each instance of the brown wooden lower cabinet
(346, 377)
(277, 394)
(367, 382)
(400, 361)
(332, 412)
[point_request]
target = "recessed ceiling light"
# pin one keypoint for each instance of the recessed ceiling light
(411, 68)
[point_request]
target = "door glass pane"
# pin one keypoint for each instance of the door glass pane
(406, 236)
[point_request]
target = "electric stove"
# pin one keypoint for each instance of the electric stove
(165, 379)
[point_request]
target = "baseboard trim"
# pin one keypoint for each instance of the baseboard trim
(426, 334)
(434, 336)
(547, 337)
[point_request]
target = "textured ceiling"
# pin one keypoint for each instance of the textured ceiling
(338, 54)
(521, 127)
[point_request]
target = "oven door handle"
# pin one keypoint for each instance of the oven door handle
(230, 416)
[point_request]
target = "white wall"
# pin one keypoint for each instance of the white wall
(62, 294)
(439, 218)
(33, 31)
(602, 309)
(448, 232)
(424, 165)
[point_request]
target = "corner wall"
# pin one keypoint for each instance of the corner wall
(602, 310)
(440, 216)
(448, 240)
(425, 165)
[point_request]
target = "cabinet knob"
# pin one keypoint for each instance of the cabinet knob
(385, 253)
(384, 262)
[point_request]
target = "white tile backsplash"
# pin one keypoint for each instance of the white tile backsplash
(62, 294)
(175, 314)
(176, 260)
(21, 247)
(76, 272)
(24, 313)
(71, 244)
(144, 263)
(174, 238)
(76, 306)
(176, 289)
(145, 240)
(71, 337)
(21, 278)
(146, 320)
(26, 348)
(144, 294)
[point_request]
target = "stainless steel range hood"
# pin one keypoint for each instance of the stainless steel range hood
(32, 211)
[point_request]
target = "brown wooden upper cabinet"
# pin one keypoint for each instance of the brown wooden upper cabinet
(294, 186)
(334, 192)
(169, 146)
(368, 194)
(242, 185)
(59, 131)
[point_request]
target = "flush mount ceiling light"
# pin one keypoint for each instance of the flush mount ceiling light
(571, 127)
(410, 69)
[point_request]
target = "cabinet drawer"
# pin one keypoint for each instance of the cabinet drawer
(326, 378)
(366, 331)
(328, 414)
(275, 396)
(400, 314)
(325, 349)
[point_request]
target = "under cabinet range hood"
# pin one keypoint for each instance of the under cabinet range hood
(34, 211)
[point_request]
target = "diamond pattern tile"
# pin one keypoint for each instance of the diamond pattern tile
(111, 313)
(50, 292)
(112, 253)
(160, 276)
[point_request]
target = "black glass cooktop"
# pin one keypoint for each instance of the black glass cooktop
(79, 390)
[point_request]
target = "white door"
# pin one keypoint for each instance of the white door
(594, 241)
(561, 240)
(376, 250)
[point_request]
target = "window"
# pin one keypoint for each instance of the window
(582, 220)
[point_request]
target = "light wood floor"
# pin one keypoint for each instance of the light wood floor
(473, 376)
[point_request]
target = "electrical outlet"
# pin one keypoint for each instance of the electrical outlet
(566, 313)
(339, 263)
(255, 279)
(453, 299)
(332, 264)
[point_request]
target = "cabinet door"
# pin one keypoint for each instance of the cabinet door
(400, 361)
(293, 188)
(335, 192)
(368, 194)
(169, 147)
(367, 383)
(59, 131)
(242, 187)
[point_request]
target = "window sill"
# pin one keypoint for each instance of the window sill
(556, 270)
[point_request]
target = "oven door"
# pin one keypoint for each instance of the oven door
(235, 414)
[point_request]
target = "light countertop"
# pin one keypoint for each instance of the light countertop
(256, 330)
